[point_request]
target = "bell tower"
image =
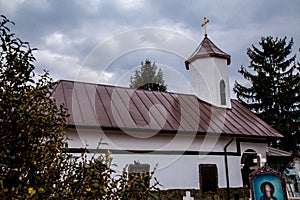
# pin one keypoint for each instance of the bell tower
(208, 68)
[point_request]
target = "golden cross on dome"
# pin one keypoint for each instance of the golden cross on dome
(205, 21)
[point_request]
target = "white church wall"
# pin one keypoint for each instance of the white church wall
(258, 147)
(115, 140)
(176, 170)
(205, 76)
(181, 171)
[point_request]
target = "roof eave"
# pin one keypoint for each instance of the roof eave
(191, 59)
(122, 129)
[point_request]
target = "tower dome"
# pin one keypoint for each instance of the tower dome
(207, 49)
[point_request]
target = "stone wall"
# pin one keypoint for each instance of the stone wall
(243, 193)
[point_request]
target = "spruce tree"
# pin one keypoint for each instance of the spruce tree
(274, 88)
(148, 78)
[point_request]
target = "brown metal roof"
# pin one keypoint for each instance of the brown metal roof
(207, 49)
(94, 105)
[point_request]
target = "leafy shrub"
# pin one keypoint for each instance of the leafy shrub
(34, 159)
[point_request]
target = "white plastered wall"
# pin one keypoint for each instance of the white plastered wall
(174, 170)
(205, 76)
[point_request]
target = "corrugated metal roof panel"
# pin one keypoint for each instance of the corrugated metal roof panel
(153, 118)
(102, 111)
(116, 107)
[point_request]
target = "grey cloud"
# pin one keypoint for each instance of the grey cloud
(234, 26)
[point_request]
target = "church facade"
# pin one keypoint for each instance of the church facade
(197, 141)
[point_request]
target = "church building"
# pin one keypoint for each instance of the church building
(200, 141)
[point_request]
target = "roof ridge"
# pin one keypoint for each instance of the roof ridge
(147, 91)
(121, 87)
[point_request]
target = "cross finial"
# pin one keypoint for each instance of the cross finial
(205, 21)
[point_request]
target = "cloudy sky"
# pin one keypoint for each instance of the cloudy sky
(104, 41)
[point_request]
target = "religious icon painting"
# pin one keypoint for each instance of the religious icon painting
(267, 184)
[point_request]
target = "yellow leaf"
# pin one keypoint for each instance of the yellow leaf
(105, 188)
(31, 191)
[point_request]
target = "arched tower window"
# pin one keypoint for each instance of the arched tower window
(222, 92)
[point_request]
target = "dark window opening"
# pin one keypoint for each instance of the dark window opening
(222, 92)
(208, 178)
(139, 173)
(248, 165)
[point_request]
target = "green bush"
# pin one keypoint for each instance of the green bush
(34, 158)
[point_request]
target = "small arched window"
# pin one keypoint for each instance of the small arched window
(222, 92)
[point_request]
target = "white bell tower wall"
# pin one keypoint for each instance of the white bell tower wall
(206, 75)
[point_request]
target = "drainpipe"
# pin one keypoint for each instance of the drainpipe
(226, 169)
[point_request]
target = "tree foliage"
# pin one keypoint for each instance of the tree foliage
(34, 158)
(148, 78)
(32, 145)
(274, 90)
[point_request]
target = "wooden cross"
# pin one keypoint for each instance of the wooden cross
(205, 21)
